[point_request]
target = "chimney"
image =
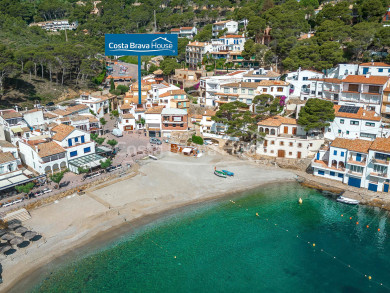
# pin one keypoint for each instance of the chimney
(36, 148)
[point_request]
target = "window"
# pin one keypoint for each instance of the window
(280, 89)
(320, 93)
(380, 156)
(320, 172)
(250, 91)
(342, 154)
(347, 131)
(299, 145)
(380, 169)
(76, 139)
(305, 78)
(340, 175)
(281, 143)
(373, 89)
(272, 142)
(265, 90)
(181, 125)
(313, 92)
(243, 91)
(354, 122)
(235, 90)
(226, 90)
(329, 130)
(290, 144)
(332, 173)
(87, 150)
(249, 101)
(335, 153)
(290, 153)
(70, 142)
(341, 121)
(370, 124)
(368, 135)
(73, 154)
(357, 169)
(380, 70)
(353, 88)
(339, 131)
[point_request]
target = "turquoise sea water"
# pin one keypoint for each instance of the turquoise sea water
(224, 247)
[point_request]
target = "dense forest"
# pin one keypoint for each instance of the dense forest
(344, 31)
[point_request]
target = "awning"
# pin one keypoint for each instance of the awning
(88, 161)
(17, 129)
(17, 180)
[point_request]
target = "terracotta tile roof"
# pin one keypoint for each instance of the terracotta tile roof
(154, 110)
(232, 36)
(273, 82)
(381, 144)
(76, 118)
(64, 119)
(126, 106)
(62, 131)
(222, 22)
(175, 30)
(49, 148)
(6, 144)
(77, 108)
(128, 116)
(31, 111)
(251, 85)
(197, 44)
(329, 80)
(172, 93)
(361, 114)
(11, 114)
(355, 145)
(209, 113)
(235, 72)
(61, 112)
(49, 115)
(91, 118)
(372, 79)
(6, 157)
(277, 121)
(186, 28)
(158, 72)
(375, 64)
(223, 94)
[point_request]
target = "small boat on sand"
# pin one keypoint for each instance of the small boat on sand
(347, 200)
(228, 173)
(153, 157)
(220, 173)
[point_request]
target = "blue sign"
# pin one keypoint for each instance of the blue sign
(141, 44)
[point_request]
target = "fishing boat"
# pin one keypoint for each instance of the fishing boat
(228, 173)
(347, 200)
(220, 174)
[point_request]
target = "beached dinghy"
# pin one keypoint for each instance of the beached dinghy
(347, 200)
(220, 174)
(228, 173)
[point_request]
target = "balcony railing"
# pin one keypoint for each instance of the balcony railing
(354, 162)
(355, 173)
(380, 162)
(381, 175)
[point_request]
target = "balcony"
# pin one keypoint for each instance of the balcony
(379, 175)
(355, 173)
(380, 162)
(358, 163)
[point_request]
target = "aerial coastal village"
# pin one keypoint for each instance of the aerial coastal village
(246, 100)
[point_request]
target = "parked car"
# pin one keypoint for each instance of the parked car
(50, 104)
(154, 140)
(117, 132)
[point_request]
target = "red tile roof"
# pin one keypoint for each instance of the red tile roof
(49, 148)
(382, 64)
(6, 157)
(381, 144)
(277, 121)
(355, 145)
(372, 79)
(62, 131)
(361, 114)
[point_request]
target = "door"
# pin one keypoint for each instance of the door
(286, 129)
(281, 153)
(385, 187)
(355, 182)
(372, 187)
(365, 70)
(265, 143)
(299, 155)
(128, 127)
(294, 130)
(152, 133)
(318, 156)
(358, 157)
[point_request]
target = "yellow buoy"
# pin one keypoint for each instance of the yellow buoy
(300, 200)
(257, 214)
(314, 244)
(369, 277)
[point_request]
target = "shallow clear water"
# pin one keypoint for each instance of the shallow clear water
(224, 247)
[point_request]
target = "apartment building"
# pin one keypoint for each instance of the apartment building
(174, 99)
(374, 68)
(173, 120)
(185, 32)
(260, 74)
(231, 43)
(97, 103)
(354, 122)
(300, 81)
(230, 27)
(195, 52)
(153, 121)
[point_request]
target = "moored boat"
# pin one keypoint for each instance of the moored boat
(220, 173)
(347, 200)
(228, 173)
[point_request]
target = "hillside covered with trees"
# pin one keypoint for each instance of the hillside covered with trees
(346, 31)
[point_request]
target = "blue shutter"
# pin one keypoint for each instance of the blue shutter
(320, 172)
(82, 139)
(70, 142)
(365, 70)
(373, 187)
(318, 156)
(358, 157)
(386, 187)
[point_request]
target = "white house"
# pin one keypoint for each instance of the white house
(96, 102)
(374, 68)
(342, 70)
(34, 117)
(354, 122)
(284, 138)
(206, 123)
(7, 147)
(126, 122)
(45, 157)
(78, 145)
(185, 32)
(231, 27)
(233, 42)
(195, 52)
(153, 121)
(260, 74)
(300, 80)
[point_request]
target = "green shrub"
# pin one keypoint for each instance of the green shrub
(197, 139)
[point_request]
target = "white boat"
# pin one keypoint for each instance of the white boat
(347, 200)
(153, 157)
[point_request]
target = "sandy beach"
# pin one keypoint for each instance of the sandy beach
(169, 183)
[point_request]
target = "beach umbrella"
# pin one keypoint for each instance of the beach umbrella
(13, 226)
(16, 240)
(8, 236)
(21, 230)
(30, 234)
